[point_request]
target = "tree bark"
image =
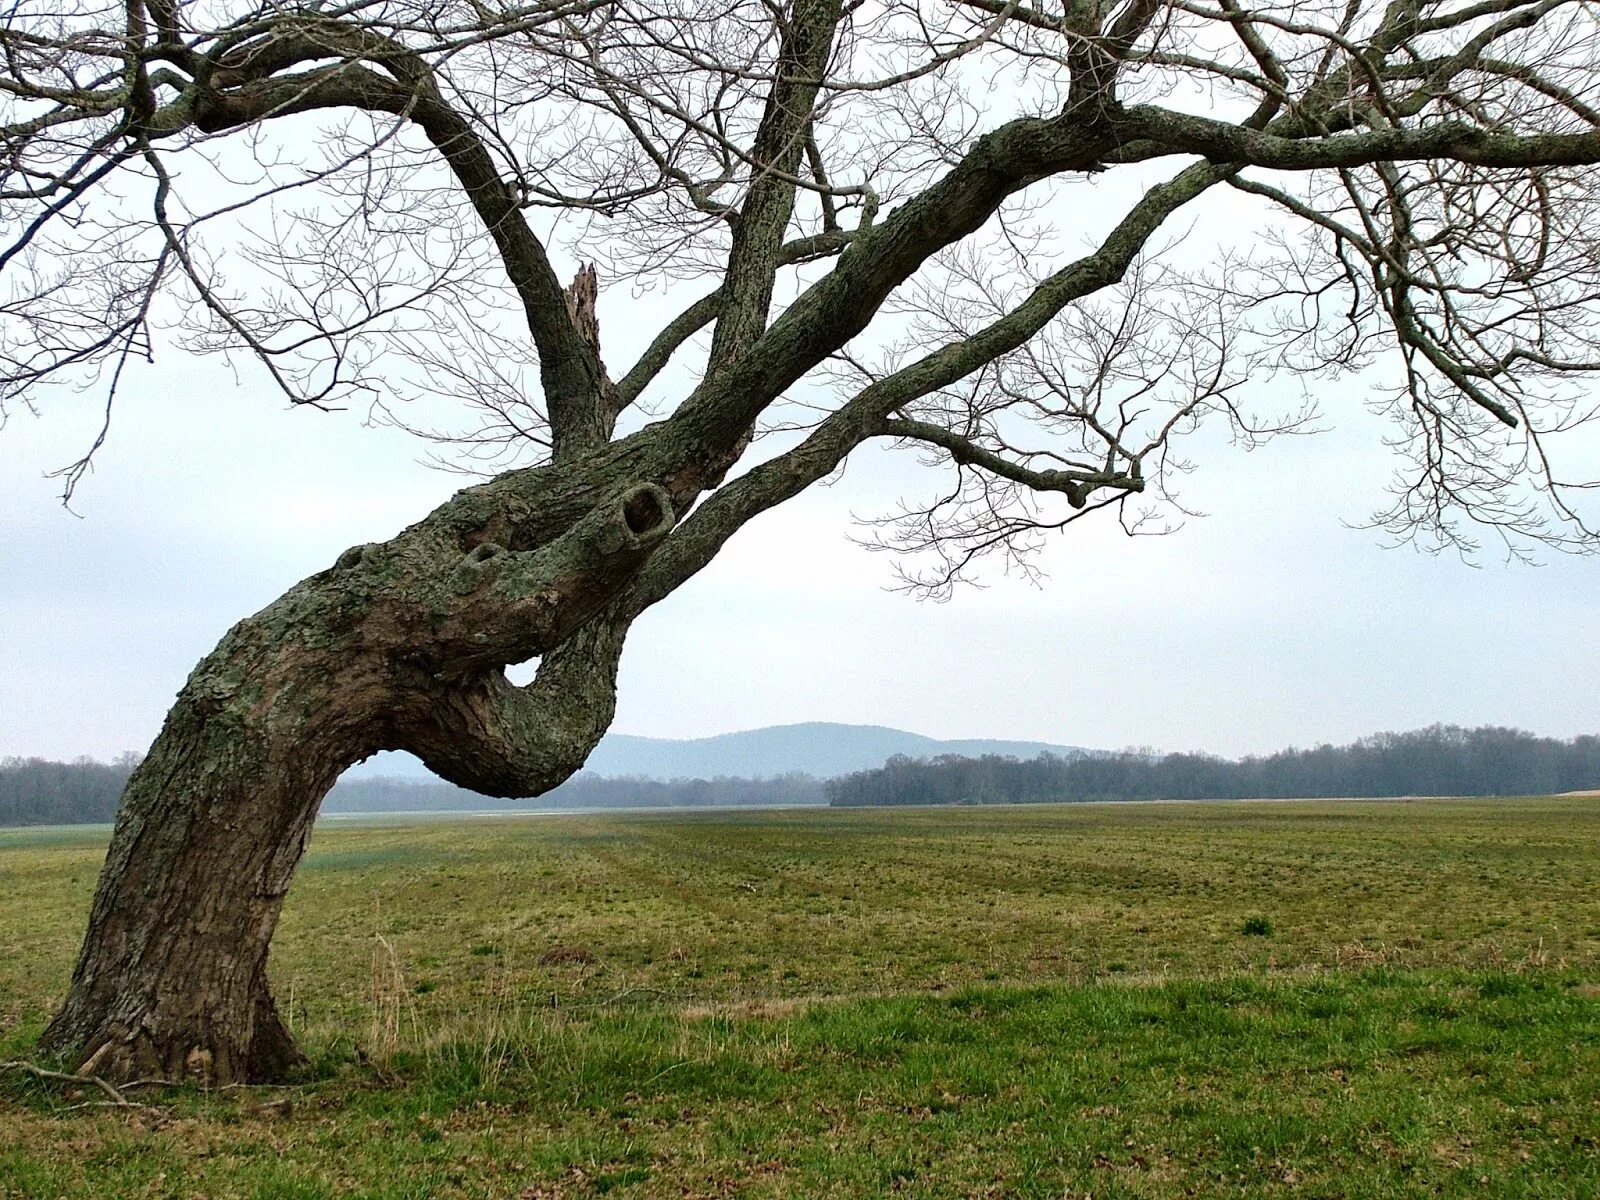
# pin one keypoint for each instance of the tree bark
(172, 981)
(397, 646)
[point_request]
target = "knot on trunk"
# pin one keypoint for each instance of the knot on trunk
(645, 509)
(646, 517)
(350, 558)
(479, 566)
(631, 521)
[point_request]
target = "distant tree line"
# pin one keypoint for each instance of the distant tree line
(1441, 760)
(34, 791)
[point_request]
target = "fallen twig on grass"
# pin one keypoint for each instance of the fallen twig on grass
(624, 994)
(115, 1097)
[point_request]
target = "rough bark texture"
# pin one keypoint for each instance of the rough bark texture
(172, 982)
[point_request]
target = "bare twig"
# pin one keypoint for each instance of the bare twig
(115, 1097)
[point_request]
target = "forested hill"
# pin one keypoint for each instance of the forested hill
(819, 748)
(1442, 760)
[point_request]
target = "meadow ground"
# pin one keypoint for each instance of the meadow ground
(1351, 999)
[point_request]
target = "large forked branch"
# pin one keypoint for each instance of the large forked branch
(722, 514)
(841, 304)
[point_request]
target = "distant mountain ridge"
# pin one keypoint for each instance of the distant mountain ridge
(822, 749)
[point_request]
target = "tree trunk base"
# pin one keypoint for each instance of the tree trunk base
(205, 1055)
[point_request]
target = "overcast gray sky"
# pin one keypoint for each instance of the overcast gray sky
(1267, 623)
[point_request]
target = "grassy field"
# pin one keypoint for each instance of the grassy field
(1351, 999)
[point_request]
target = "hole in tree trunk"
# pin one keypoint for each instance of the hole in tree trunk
(642, 510)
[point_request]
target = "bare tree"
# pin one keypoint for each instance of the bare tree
(364, 196)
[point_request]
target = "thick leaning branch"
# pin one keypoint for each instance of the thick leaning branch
(1220, 141)
(780, 140)
(723, 513)
(841, 304)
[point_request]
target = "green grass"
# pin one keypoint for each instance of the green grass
(1351, 999)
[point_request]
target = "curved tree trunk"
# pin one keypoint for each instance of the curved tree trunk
(398, 646)
(172, 979)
